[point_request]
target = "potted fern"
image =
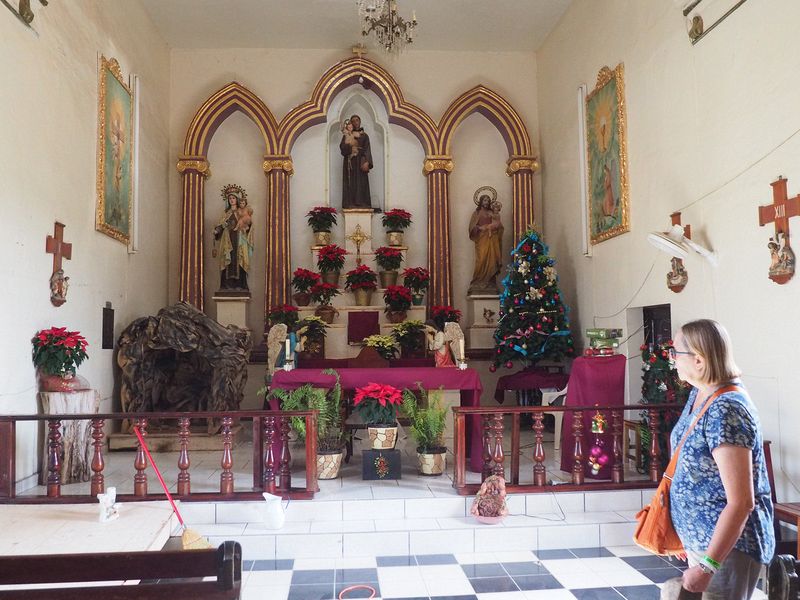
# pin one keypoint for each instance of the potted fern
(427, 427)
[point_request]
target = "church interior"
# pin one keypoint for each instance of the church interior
(230, 193)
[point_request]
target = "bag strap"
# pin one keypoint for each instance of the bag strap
(673, 463)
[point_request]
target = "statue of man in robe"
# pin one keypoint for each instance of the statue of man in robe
(357, 163)
(486, 230)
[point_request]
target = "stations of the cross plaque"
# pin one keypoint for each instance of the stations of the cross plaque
(781, 268)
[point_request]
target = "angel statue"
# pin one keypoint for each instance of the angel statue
(445, 344)
(490, 501)
(276, 346)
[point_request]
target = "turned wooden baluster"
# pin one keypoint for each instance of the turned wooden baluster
(498, 456)
(269, 457)
(140, 462)
(226, 477)
(577, 454)
(98, 464)
(486, 469)
(655, 447)
(539, 472)
(184, 479)
(618, 470)
(54, 459)
(286, 457)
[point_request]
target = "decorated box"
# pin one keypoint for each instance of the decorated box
(380, 464)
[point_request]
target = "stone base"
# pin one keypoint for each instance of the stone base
(481, 337)
(76, 436)
(232, 309)
(353, 217)
(483, 311)
(168, 440)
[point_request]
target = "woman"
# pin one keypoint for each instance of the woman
(720, 496)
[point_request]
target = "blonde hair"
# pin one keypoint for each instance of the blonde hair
(711, 341)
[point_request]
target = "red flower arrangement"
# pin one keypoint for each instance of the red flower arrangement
(321, 218)
(322, 293)
(361, 278)
(397, 297)
(417, 279)
(303, 280)
(377, 403)
(57, 351)
(444, 314)
(396, 219)
(286, 314)
(388, 259)
(331, 258)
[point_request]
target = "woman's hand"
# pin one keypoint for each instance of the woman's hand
(696, 580)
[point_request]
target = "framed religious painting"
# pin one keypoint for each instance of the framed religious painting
(114, 153)
(607, 158)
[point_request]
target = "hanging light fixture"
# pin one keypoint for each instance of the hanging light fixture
(391, 30)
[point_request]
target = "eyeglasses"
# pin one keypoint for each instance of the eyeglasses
(673, 353)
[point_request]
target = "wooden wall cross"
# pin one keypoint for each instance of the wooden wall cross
(781, 268)
(56, 246)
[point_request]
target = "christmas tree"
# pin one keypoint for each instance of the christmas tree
(533, 323)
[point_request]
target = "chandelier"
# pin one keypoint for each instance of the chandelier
(381, 18)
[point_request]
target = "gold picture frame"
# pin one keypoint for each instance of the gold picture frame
(607, 157)
(115, 139)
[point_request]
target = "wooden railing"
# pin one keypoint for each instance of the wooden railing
(494, 459)
(271, 458)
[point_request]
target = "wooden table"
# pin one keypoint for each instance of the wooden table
(789, 512)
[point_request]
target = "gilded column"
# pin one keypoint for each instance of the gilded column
(521, 170)
(278, 169)
(437, 169)
(194, 170)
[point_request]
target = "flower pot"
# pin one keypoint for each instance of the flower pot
(328, 464)
(314, 348)
(363, 296)
(417, 299)
(302, 298)
(327, 313)
(62, 383)
(394, 238)
(432, 463)
(330, 277)
(387, 278)
(322, 238)
(396, 316)
(382, 438)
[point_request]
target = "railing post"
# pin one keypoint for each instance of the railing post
(655, 446)
(269, 457)
(312, 484)
(497, 456)
(184, 478)
(486, 468)
(577, 454)
(539, 471)
(140, 461)
(8, 459)
(54, 459)
(226, 477)
(618, 470)
(459, 450)
(285, 471)
(515, 433)
(98, 464)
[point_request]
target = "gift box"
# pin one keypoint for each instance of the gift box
(380, 464)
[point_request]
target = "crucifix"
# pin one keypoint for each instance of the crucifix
(781, 268)
(358, 237)
(56, 246)
(359, 50)
(677, 278)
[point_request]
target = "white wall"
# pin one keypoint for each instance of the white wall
(285, 78)
(709, 127)
(48, 120)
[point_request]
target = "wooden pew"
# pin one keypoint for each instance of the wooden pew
(176, 575)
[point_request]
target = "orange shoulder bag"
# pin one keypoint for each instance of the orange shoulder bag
(655, 532)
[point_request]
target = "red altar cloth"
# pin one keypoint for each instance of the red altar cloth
(528, 379)
(597, 380)
(467, 381)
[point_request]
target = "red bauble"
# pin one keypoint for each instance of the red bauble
(509, 364)
(492, 368)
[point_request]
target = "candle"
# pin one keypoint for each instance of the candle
(414, 16)
(288, 350)
(461, 349)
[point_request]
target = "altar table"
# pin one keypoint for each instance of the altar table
(467, 381)
(529, 379)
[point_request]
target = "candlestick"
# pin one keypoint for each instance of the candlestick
(288, 350)
(461, 350)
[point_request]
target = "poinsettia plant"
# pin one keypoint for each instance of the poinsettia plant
(57, 351)
(397, 297)
(417, 279)
(383, 344)
(445, 314)
(303, 280)
(323, 293)
(331, 258)
(377, 403)
(388, 259)
(286, 314)
(396, 219)
(361, 278)
(321, 218)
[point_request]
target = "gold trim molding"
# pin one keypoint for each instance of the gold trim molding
(283, 163)
(194, 164)
(437, 162)
(521, 163)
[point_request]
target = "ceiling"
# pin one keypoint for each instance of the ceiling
(479, 25)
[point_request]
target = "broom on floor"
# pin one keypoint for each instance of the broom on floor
(190, 539)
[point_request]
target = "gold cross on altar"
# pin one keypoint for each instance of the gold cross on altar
(358, 237)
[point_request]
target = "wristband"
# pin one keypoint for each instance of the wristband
(711, 563)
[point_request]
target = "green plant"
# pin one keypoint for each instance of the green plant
(377, 403)
(384, 344)
(286, 314)
(312, 327)
(396, 219)
(409, 335)
(444, 314)
(397, 297)
(303, 280)
(323, 293)
(361, 278)
(57, 351)
(321, 218)
(388, 259)
(331, 258)
(427, 424)
(417, 279)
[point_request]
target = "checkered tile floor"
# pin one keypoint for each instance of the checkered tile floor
(585, 573)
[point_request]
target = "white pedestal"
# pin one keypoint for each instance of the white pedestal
(76, 436)
(482, 313)
(353, 217)
(232, 310)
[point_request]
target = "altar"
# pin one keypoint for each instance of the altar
(466, 381)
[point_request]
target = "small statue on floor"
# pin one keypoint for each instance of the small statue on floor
(109, 507)
(490, 501)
